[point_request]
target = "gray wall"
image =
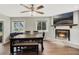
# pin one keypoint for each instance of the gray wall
(6, 27)
(75, 29)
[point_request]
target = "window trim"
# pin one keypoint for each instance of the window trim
(12, 25)
(41, 25)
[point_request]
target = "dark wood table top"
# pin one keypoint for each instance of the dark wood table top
(38, 38)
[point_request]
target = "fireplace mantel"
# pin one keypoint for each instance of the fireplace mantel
(70, 25)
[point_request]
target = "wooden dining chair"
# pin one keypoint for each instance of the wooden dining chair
(43, 35)
(27, 32)
(35, 32)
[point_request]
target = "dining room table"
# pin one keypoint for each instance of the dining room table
(27, 38)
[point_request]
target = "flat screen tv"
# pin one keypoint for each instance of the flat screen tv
(63, 19)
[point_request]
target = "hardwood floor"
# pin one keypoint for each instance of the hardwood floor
(55, 49)
(49, 49)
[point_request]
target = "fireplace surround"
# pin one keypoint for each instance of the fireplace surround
(62, 34)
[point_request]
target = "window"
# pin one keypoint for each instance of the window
(41, 25)
(1, 31)
(17, 26)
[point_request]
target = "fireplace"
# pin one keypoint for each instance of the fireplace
(62, 34)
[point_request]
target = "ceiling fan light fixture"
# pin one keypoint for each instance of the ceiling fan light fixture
(24, 11)
(25, 6)
(39, 12)
(39, 7)
(33, 9)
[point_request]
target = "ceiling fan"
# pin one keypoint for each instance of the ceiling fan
(32, 9)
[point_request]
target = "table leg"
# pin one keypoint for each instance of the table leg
(42, 48)
(37, 49)
(11, 48)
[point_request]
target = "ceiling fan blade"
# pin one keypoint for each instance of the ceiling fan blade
(39, 7)
(24, 11)
(39, 12)
(25, 6)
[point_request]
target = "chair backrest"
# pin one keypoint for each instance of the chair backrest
(27, 32)
(43, 34)
(14, 34)
(35, 32)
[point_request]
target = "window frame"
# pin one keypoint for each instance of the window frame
(13, 24)
(41, 25)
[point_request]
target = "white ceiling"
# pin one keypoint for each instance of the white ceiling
(13, 10)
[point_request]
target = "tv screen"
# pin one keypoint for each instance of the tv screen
(66, 18)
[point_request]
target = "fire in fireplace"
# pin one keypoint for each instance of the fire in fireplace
(62, 34)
